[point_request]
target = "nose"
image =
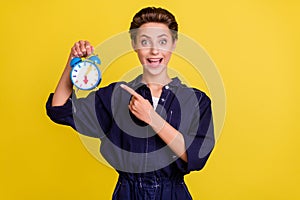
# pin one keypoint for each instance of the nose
(154, 50)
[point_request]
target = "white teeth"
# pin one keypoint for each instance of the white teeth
(154, 60)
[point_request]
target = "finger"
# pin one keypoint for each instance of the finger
(130, 107)
(131, 91)
(82, 47)
(74, 52)
(133, 104)
(78, 50)
(88, 48)
(130, 103)
(132, 110)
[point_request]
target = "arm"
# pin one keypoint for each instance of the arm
(60, 107)
(143, 110)
(172, 137)
(64, 87)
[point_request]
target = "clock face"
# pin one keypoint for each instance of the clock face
(85, 75)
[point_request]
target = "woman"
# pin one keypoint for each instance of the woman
(154, 129)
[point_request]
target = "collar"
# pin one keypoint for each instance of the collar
(137, 82)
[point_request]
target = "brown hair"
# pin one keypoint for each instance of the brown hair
(152, 14)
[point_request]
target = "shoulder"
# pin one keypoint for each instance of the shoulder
(188, 91)
(115, 86)
(202, 96)
(109, 89)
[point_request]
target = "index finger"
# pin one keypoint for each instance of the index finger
(89, 48)
(131, 91)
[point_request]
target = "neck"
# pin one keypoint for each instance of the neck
(161, 79)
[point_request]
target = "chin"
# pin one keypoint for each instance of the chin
(154, 70)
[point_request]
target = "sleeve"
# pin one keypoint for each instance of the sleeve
(200, 139)
(60, 114)
(85, 112)
(89, 116)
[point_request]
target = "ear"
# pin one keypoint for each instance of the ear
(133, 44)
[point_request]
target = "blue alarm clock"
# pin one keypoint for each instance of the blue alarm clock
(85, 73)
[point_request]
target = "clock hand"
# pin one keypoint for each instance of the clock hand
(85, 80)
(88, 71)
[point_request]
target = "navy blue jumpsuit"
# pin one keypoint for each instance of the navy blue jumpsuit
(147, 167)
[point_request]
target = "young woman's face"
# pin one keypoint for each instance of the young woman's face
(154, 46)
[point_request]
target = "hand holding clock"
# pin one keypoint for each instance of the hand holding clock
(64, 87)
(81, 49)
(85, 74)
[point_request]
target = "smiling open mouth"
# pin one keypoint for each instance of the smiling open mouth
(154, 61)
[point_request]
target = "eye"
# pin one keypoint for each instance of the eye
(163, 42)
(145, 42)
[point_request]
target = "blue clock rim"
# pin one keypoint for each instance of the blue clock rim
(99, 77)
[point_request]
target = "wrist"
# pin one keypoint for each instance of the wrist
(157, 123)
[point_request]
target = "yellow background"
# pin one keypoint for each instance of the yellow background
(255, 45)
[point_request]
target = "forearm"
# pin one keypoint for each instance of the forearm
(172, 137)
(143, 110)
(64, 87)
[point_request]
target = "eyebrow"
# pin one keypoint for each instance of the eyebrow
(162, 35)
